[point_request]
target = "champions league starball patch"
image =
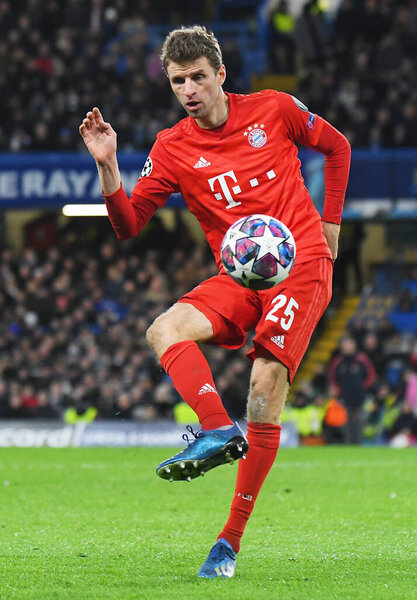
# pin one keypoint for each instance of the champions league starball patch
(147, 167)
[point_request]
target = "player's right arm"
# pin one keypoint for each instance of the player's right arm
(128, 216)
(101, 140)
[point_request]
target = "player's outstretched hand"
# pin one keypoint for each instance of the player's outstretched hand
(99, 137)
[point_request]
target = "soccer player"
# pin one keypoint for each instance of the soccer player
(232, 156)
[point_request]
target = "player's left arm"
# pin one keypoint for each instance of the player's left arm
(336, 149)
(311, 130)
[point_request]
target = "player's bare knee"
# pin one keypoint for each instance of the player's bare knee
(179, 323)
(161, 334)
(265, 377)
(263, 384)
(152, 336)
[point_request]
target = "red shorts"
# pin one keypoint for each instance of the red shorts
(283, 317)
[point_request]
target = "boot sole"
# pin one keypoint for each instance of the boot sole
(185, 470)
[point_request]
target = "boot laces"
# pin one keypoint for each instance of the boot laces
(197, 434)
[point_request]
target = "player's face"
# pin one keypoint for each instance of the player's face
(198, 89)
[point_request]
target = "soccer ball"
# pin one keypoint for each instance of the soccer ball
(258, 252)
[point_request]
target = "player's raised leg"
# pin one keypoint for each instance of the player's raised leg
(174, 337)
(268, 391)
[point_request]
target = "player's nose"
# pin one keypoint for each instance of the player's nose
(189, 87)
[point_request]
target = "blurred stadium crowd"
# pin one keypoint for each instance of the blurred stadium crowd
(363, 78)
(72, 340)
(74, 315)
(73, 327)
(58, 59)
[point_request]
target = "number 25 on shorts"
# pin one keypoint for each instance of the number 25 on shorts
(279, 302)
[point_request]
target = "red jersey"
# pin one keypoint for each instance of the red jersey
(248, 165)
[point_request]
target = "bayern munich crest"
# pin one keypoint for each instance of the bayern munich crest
(256, 135)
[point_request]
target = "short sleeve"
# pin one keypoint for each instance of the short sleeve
(303, 126)
(157, 180)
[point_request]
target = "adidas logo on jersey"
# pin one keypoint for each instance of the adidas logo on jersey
(202, 162)
(206, 389)
(278, 340)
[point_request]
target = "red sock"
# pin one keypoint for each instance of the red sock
(263, 441)
(185, 364)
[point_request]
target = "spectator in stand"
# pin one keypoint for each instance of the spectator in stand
(411, 389)
(413, 356)
(352, 375)
(44, 409)
(373, 349)
(404, 430)
(334, 421)
(4, 400)
(282, 47)
(381, 410)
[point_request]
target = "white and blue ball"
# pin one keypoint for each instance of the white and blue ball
(258, 252)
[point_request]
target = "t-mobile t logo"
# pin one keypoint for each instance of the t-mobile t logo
(222, 182)
(225, 188)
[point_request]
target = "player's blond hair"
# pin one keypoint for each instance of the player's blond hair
(190, 43)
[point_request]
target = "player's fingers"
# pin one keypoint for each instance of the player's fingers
(100, 120)
(87, 123)
(97, 119)
(97, 115)
(82, 129)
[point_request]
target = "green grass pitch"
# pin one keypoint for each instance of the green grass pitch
(87, 524)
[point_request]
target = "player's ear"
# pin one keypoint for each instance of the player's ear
(221, 74)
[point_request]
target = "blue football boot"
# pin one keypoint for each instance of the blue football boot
(221, 562)
(207, 450)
